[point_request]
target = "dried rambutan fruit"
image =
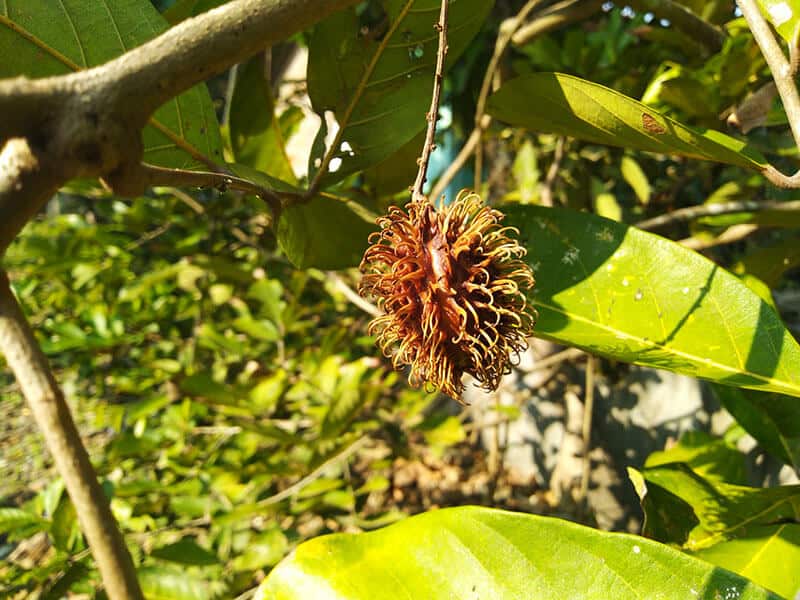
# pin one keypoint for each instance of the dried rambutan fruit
(452, 285)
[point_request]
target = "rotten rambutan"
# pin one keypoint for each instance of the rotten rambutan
(452, 284)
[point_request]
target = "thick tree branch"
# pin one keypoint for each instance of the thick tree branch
(61, 436)
(88, 124)
(135, 84)
(25, 185)
(783, 74)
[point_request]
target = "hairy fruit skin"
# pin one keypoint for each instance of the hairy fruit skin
(452, 285)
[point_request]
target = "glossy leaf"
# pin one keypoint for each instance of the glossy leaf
(770, 556)
(186, 552)
(327, 232)
(752, 531)
(474, 552)
(14, 520)
(376, 74)
(784, 16)
(257, 137)
(630, 295)
(711, 457)
(772, 419)
(54, 38)
(568, 105)
(162, 583)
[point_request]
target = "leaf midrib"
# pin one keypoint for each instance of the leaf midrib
(782, 384)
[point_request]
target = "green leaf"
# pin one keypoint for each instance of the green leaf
(772, 419)
(749, 530)
(771, 262)
(186, 552)
(162, 583)
(16, 520)
(475, 552)
(348, 397)
(54, 38)
(567, 105)
(770, 556)
(723, 511)
(784, 15)
(257, 136)
(708, 456)
(376, 74)
(76, 573)
(326, 232)
(263, 550)
(636, 178)
(634, 296)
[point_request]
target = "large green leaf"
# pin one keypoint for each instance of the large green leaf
(567, 105)
(752, 531)
(772, 419)
(326, 232)
(376, 74)
(39, 38)
(16, 520)
(617, 291)
(784, 15)
(711, 457)
(256, 133)
(473, 552)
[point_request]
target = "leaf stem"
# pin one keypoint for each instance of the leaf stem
(433, 113)
(151, 175)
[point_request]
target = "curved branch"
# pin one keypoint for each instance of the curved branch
(556, 16)
(781, 69)
(55, 422)
(708, 34)
(135, 84)
(26, 183)
(88, 124)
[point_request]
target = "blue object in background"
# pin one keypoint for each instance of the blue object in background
(448, 146)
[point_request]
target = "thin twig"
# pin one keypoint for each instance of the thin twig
(49, 408)
(546, 197)
(554, 17)
(433, 113)
(558, 357)
(778, 64)
(586, 429)
(152, 175)
(683, 19)
(708, 210)
(300, 484)
(482, 120)
(352, 296)
(730, 235)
